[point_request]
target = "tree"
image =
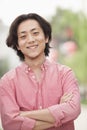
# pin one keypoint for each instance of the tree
(76, 24)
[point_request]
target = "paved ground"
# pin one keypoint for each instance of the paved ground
(81, 121)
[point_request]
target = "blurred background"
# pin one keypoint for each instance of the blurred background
(69, 38)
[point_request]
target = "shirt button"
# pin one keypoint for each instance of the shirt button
(26, 71)
(43, 68)
(40, 107)
(29, 69)
(33, 77)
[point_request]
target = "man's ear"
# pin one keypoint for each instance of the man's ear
(47, 39)
(18, 47)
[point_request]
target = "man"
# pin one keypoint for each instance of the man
(37, 94)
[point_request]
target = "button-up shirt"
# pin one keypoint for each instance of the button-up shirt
(20, 91)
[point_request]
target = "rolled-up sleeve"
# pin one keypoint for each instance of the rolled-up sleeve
(10, 111)
(70, 110)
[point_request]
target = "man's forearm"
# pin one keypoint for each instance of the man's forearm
(42, 115)
(41, 125)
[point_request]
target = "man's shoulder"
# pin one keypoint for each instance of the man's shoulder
(60, 67)
(11, 74)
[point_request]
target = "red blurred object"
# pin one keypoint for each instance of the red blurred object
(68, 48)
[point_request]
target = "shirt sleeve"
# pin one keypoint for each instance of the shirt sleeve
(70, 110)
(10, 111)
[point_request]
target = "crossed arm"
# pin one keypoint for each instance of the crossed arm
(44, 119)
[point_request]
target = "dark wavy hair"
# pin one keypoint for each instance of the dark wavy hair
(12, 39)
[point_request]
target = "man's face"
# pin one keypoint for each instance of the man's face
(31, 39)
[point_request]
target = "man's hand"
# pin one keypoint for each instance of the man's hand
(66, 97)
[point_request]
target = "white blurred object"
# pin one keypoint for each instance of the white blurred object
(68, 48)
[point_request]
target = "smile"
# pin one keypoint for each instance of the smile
(32, 47)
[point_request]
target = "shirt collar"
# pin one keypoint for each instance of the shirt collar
(44, 66)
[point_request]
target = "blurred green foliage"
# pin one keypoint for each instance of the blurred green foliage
(62, 20)
(4, 67)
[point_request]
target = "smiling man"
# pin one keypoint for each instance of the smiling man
(38, 94)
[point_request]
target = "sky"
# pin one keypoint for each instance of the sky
(10, 9)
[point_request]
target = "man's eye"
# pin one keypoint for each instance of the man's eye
(36, 33)
(22, 37)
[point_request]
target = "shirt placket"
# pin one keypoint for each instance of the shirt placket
(39, 96)
(39, 87)
(39, 93)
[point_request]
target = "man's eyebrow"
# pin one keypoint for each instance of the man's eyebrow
(23, 32)
(33, 29)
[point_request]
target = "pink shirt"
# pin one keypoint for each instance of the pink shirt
(21, 92)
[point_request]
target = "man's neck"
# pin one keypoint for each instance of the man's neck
(35, 63)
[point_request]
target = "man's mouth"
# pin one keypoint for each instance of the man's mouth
(32, 47)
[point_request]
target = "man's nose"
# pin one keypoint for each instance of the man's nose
(30, 38)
